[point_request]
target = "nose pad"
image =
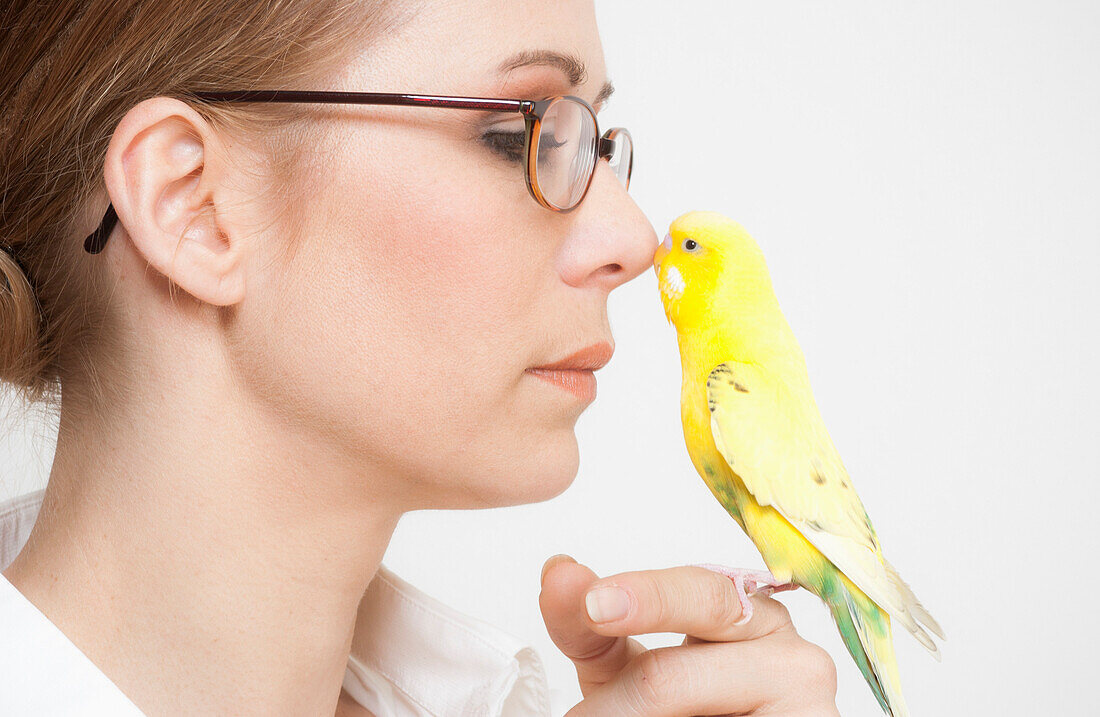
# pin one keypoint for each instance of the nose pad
(667, 243)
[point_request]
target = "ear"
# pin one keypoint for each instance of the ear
(165, 179)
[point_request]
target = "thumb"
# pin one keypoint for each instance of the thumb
(598, 658)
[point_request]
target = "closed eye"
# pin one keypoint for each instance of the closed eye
(510, 145)
(507, 144)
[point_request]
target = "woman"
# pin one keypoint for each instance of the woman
(307, 320)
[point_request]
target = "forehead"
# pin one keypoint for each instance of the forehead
(464, 46)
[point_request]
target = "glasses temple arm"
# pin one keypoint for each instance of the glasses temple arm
(98, 239)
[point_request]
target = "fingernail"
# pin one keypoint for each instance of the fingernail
(551, 560)
(607, 604)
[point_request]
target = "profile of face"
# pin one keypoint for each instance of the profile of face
(426, 279)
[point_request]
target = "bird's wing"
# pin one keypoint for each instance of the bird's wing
(777, 443)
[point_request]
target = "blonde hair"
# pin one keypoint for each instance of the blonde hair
(69, 71)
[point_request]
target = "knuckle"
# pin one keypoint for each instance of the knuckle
(783, 620)
(658, 597)
(657, 679)
(720, 600)
(823, 711)
(817, 669)
(582, 647)
(784, 613)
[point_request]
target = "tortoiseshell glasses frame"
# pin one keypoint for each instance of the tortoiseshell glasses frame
(533, 111)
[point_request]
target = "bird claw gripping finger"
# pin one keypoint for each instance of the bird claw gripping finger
(756, 581)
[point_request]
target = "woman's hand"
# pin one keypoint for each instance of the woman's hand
(761, 667)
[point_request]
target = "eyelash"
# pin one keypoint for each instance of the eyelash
(507, 144)
(510, 144)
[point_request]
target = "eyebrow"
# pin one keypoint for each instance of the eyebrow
(571, 65)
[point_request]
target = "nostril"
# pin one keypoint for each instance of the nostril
(613, 269)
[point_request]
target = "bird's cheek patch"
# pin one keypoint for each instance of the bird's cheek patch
(673, 285)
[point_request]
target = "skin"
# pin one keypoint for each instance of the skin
(762, 667)
(272, 418)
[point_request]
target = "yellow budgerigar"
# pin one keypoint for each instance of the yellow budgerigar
(756, 436)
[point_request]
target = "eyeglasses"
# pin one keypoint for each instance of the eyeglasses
(562, 141)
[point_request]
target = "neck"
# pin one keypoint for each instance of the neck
(205, 555)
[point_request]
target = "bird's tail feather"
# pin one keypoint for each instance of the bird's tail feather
(865, 629)
(919, 613)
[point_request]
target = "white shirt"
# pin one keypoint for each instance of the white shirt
(412, 655)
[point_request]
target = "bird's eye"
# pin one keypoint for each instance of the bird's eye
(690, 245)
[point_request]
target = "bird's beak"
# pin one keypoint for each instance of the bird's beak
(662, 251)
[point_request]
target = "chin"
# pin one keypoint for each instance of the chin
(540, 473)
(552, 466)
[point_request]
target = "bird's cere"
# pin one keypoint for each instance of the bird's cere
(667, 243)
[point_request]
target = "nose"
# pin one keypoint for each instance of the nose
(613, 241)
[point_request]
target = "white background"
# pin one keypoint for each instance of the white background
(924, 182)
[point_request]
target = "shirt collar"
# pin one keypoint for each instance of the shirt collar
(43, 671)
(411, 656)
(441, 661)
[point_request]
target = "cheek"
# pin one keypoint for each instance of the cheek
(432, 273)
(405, 327)
(425, 251)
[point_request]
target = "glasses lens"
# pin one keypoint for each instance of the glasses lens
(622, 150)
(566, 152)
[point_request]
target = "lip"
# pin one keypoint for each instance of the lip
(574, 373)
(590, 358)
(579, 382)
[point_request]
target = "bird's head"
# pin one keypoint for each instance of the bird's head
(707, 267)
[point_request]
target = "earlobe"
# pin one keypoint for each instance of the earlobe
(165, 182)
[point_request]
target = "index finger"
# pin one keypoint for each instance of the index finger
(685, 599)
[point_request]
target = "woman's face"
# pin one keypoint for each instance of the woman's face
(428, 280)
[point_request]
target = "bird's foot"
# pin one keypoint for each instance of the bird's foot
(756, 581)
